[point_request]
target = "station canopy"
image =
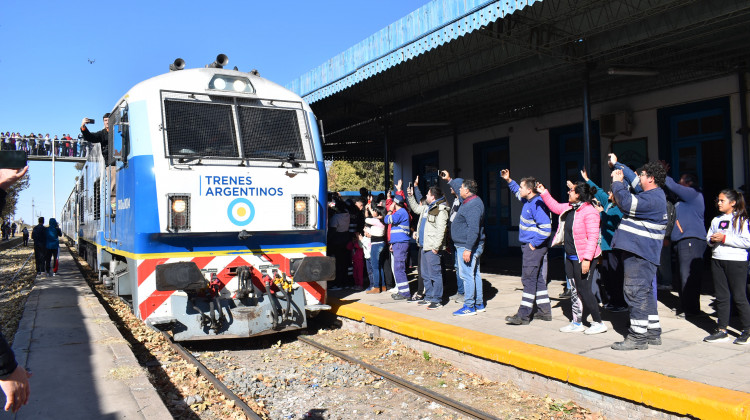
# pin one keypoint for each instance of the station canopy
(454, 66)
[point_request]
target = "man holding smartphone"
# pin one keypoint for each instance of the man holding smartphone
(99, 136)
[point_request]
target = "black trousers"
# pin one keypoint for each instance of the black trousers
(40, 253)
(612, 277)
(730, 280)
(583, 289)
(50, 259)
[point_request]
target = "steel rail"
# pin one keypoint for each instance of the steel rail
(210, 376)
(419, 390)
(7, 248)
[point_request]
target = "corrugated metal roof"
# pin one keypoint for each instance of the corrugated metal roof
(434, 24)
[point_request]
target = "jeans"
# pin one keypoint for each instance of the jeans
(433, 276)
(376, 248)
(368, 266)
(638, 284)
(459, 282)
(471, 277)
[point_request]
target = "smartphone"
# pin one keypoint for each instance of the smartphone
(91, 121)
(12, 159)
(410, 184)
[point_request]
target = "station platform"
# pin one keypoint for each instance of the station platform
(82, 366)
(684, 375)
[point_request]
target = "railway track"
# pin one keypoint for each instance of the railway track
(409, 386)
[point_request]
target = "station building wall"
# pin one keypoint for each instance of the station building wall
(530, 141)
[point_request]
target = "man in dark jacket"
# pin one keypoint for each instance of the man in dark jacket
(467, 231)
(100, 136)
(640, 237)
(14, 380)
(39, 236)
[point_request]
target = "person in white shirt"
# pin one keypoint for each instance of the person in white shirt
(729, 238)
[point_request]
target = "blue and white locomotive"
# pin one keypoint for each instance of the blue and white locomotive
(208, 213)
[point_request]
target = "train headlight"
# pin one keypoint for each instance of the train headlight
(301, 211)
(239, 85)
(220, 83)
(178, 212)
(231, 84)
(179, 206)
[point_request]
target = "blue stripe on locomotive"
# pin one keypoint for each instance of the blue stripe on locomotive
(138, 183)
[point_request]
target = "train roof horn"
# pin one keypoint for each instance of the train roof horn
(178, 64)
(221, 61)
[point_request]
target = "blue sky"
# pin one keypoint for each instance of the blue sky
(47, 84)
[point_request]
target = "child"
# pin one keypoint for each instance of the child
(358, 262)
(729, 236)
(375, 231)
(364, 242)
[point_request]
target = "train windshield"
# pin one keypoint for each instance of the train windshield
(254, 130)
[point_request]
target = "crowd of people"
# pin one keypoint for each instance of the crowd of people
(382, 236)
(617, 248)
(44, 145)
(8, 229)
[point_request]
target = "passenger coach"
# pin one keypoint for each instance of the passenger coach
(206, 214)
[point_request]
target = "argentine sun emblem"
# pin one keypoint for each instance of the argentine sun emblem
(241, 211)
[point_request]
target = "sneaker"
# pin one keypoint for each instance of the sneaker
(416, 297)
(572, 327)
(434, 305)
(629, 344)
(596, 328)
(718, 336)
(465, 311)
(566, 294)
(743, 338)
(480, 308)
(543, 317)
(422, 302)
(516, 320)
(373, 291)
(458, 298)
(394, 290)
(399, 296)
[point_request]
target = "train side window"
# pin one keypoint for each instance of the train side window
(119, 137)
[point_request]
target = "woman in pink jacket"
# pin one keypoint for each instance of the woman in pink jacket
(578, 231)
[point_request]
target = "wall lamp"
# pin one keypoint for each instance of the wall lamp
(631, 71)
(429, 124)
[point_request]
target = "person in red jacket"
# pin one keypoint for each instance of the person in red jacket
(578, 231)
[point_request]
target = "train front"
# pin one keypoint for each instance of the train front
(239, 187)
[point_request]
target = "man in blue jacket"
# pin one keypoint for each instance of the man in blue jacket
(534, 231)
(640, 236)
(467, 231)
(400, 233)
(689, 237)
